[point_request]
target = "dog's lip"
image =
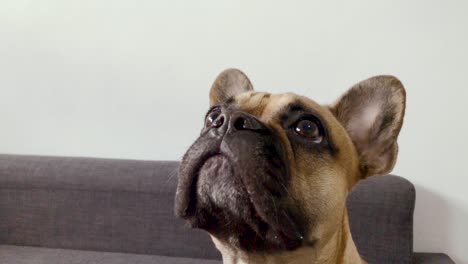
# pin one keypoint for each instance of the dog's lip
(194, 172)
(286, 235)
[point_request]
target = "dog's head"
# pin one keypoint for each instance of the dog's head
(271, 172)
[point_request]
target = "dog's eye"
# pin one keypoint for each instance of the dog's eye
(212, 116)
(308, 129)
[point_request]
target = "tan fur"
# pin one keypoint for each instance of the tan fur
(326, 180)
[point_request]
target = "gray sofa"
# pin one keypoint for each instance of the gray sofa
(84, 210)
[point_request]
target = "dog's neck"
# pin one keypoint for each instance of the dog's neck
(339, 248)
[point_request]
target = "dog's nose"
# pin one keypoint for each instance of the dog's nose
(243, 121)
(236, 121)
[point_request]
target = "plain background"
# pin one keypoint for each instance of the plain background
(130, 79)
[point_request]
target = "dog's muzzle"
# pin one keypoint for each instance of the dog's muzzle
(233, 182)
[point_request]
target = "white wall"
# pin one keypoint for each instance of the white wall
(130, 79)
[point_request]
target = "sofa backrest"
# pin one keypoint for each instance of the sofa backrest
(95, 204)
(127, 206)
(380, 212)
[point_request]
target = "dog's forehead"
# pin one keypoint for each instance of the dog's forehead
(266, 105)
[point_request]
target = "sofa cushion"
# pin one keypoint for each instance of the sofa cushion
(37, 255)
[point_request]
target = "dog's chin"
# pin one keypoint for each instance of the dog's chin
(226, 209)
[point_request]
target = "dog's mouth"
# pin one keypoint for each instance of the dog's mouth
(239, 197)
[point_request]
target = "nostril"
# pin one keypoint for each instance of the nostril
(218, 122)
(239, 124)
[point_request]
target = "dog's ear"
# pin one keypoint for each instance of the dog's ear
(228, 84)
(372, 112)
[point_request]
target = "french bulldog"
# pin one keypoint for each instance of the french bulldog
(269, 175)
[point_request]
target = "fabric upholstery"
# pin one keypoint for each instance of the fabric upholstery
(95, 204)
(431, 258)
(37, 255)
(381, 219)
(126, 206)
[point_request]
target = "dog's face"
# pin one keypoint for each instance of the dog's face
(271, 172)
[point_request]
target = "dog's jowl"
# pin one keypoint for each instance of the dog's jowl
(269, 175)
